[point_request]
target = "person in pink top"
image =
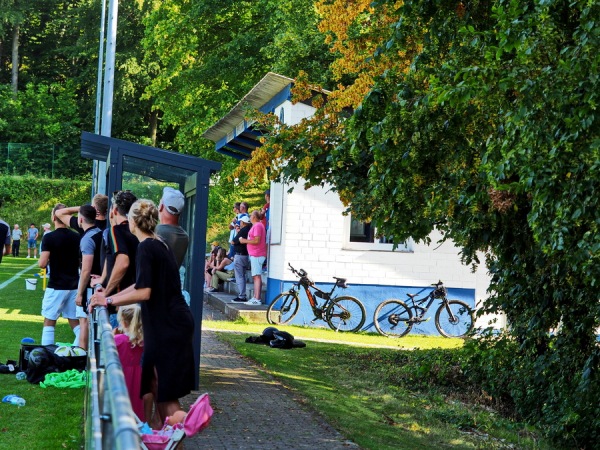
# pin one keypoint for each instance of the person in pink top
(257, 249)
(130, 345)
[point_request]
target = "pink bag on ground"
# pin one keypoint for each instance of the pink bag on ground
(196, 420)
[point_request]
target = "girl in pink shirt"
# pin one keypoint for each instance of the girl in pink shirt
(130, 346)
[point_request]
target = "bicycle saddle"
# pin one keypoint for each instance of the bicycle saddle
(341, 282)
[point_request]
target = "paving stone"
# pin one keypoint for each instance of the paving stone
(252, 410)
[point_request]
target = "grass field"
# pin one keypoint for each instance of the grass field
(381, 393)
(52, 418)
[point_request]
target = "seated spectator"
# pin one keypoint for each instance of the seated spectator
(219, 272)
(210, 263)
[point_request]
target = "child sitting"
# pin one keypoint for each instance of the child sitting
(130, 345)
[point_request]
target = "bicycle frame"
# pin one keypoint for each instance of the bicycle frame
(420, 311)
(395, 318)
(341, 313)
(308, 286)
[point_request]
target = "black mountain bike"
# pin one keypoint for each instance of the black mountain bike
(454, 318)
(342, 313)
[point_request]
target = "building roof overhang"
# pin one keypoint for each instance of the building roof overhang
(233, 135)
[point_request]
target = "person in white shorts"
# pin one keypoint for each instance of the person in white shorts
(61, 250)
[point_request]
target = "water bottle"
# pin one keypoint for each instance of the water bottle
(14, 400)
(21, 376)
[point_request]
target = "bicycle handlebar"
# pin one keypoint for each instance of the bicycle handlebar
(339, 282)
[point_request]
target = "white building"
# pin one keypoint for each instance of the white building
(308, 229)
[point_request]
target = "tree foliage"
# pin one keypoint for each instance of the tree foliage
(484, 126)
(212, 52)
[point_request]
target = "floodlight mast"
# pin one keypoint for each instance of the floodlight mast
(105, 87)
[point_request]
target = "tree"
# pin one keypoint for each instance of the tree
(211, 53)
(486, 130)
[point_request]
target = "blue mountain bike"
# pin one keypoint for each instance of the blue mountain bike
(395, 318)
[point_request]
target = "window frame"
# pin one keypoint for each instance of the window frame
(406, 246)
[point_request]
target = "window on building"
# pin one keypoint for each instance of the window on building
(364, 236)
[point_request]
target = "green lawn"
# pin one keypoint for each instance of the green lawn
(389, 399)
(381, 393)
(52, 418)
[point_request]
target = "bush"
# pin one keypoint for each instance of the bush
(565, 408)
(29, 199)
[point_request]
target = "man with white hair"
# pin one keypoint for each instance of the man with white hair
(169, 209)
(17, 235)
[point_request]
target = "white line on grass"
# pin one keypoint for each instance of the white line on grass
(10, 280)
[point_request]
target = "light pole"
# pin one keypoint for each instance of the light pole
(105, 87)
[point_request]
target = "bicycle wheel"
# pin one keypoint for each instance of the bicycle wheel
(392, 318)
(283, 309)
(454, 319)
(345, 314)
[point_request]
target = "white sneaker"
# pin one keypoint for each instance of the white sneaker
(28, 256)
(254, 301)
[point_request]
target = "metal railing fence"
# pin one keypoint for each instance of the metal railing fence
(110, 422)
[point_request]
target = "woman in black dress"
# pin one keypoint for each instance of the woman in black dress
(168, 324)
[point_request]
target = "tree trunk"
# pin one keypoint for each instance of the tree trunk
(153, 126)
(15, 59)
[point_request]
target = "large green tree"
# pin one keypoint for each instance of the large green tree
(490, 134)
(57, 60)
(211, 53)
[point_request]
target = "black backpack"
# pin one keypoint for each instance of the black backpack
(43, 360)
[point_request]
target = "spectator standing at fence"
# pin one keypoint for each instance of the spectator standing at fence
(257, 250)
(17, 235)
(168, 364)
(100, 205)
(32, 235)
(61, 249)
(130, 345)
(120, 247)
(90, 247)
(169, 209)
(240, 262)
(47, 228)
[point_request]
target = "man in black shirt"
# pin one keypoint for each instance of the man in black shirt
(100, 204)
(241, 259)
(61, 248)
(120, 248)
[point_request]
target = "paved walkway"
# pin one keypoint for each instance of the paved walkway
(252, 410)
